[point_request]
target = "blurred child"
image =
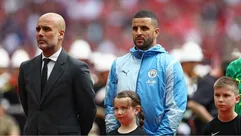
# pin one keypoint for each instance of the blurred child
(8, 125)
(127, 106)
(226, 95)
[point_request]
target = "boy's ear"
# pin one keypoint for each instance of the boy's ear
(138, 109)
(237, 98)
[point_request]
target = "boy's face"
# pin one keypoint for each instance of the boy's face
(225, 99)
(123, 110)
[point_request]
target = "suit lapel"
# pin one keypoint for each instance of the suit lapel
(36, 76)
(55, 74)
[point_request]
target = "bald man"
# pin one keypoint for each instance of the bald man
(55, 90)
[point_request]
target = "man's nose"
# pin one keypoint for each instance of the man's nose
(139, 31)
(40, 32)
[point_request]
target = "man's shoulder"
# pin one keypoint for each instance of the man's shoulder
(75, 62)
(125, 55)
(235, 62)
(30, 62)
(125, 58)
(234, 66)
(167, 60)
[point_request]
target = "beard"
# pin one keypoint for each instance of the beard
(145, 45)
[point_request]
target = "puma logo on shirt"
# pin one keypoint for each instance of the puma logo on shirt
(125, 72)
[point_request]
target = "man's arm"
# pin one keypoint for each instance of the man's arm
(22, 90)
(200, 111)
(84, 98)
(110, 120)
(202, 98)
(175, 99)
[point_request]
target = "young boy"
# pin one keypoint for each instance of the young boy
(226, 95)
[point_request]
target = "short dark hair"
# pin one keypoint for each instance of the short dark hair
(148, 14)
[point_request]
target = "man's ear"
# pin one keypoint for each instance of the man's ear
(61, 34)
(157, 32)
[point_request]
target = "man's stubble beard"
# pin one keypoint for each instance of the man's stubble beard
(146, 45)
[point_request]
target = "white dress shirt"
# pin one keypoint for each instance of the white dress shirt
(52, 61)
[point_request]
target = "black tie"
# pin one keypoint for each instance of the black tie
(44, 75)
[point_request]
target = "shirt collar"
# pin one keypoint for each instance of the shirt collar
(53, 57)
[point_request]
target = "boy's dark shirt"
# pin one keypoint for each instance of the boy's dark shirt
(216, 127)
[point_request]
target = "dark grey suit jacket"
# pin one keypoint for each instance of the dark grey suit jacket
(67, 105)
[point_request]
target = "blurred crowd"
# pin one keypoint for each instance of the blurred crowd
(106, 24)
(98, 31)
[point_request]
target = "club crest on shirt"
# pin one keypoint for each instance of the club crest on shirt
(152, 73)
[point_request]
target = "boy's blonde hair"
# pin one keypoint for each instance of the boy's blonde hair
(227, 82)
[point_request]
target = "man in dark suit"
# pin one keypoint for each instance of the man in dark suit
(64, 104)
